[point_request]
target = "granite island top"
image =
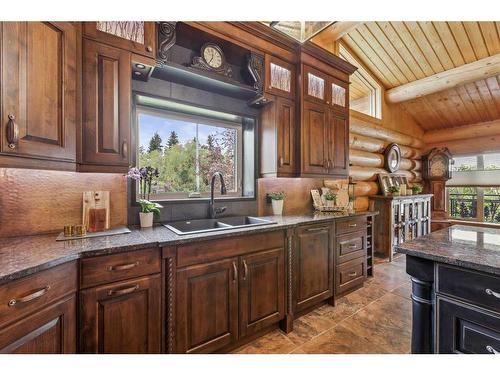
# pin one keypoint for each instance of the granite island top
(23, 256)
(460, 245)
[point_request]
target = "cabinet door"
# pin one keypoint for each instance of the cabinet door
(38, 85)
(134, 36)
(280, 77)
(106, 106)
(123, 317)
(315, 141)
(262, 290)
(339, 93)
(338, 140)
(207, 306)
(51, 330)
(315, 85)
(313, 265)
(286, 135)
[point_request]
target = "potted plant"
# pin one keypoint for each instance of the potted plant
(416, 189)
(394, 190)
(277, 198)
(330, 198)
(145, 176)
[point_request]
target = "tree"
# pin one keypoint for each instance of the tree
(155, 143)
(172, 139)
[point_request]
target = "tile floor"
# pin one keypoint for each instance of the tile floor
(373, 319)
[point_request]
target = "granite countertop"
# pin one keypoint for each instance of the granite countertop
(460, 245)
(22, 256)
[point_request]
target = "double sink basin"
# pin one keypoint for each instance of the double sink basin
(212, 225)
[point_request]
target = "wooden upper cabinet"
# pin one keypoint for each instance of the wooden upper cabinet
(279, 77)
(106, 108)
(314, 142)
(339, 93)
(313, 267)
(338, 138)
(38, 101)
(262, 290)
(207, 306)
(315, 85)
(285, 136)
(134, 36)
(123, 317)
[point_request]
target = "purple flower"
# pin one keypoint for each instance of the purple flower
(134, 174)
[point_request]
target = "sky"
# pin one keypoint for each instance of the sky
(149, 124)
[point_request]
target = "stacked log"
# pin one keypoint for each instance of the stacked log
(367, 143)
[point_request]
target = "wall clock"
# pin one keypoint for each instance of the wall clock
(436, 165)
(392, 158)
(212, 59)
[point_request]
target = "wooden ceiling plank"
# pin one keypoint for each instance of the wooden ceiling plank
(469, 103)
(413, 47)
(380, 51)
(477, 101)
(445, 34)
(437, 44)
(327, 38)
(457, 104)
(403, 51)
(494, 86)
(487, 98)
(446, 80)
(476, 39)
(435, 115)
(458, 30)
(450, 115)
(426, 48)
(491, 37)
(390, 49)
(425, 114)
(373, 60)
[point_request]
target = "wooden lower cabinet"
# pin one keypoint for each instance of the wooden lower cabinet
(51, 330)
(123, 317)
(261, 290)
(207, 306)
(313, 265)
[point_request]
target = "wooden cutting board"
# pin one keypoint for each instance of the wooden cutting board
(96, 210)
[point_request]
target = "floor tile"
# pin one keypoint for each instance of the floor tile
(275, 342)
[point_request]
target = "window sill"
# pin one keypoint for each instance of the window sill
(475, 223)
(201, 200)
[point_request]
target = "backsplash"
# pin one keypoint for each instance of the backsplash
(36, 201)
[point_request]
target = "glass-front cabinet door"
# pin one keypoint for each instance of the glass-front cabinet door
(339, 93)
(134, 36)
(280, 77)
(315, 85)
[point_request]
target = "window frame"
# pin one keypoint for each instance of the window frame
(175, 198)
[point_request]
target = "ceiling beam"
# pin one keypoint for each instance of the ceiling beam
(327, 38)
(481, 69)
(469, 132)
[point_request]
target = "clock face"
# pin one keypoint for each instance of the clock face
(212, 56)
(438, 167)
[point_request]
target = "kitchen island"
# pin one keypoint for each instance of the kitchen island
(455, 275)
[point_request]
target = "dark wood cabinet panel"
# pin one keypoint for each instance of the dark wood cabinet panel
(314, 140)
(338, 139)
(123, 317)
(315, 84)
(261, 290)
(350, 246)
(39, 101)
(350, 276)
(279, 77)
(106, 107)
(134, 36)
(51, 330)
(207, 306)
(286, 135)
(313, 265)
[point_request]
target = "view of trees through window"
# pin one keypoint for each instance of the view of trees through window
(186, 154)
(479, 203)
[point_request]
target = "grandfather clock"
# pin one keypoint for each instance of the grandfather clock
(436, 170)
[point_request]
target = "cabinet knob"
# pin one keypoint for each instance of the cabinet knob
(12, 132)
(149, 49)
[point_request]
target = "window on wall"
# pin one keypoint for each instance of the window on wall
(474, 190)
(189, 144)
(365, 94)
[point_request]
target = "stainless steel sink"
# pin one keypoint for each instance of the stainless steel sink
(212, 225)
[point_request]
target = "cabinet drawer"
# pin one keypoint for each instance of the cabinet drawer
(465, 329)
(116, 267)
(30, 293)
(472, 286)
(350, 246)
(350, 275)
(351, 225)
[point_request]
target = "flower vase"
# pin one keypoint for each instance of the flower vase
(146, 219)
(277, 206)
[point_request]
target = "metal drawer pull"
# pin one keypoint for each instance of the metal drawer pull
(123, 267)
(352, 274)
(235, 272)
(12, 132)
(316, 229)
(353, 246)
(492, 293)
(245, 270)
(29, 297)
(119, 292)
(491, 350)
(353, 225)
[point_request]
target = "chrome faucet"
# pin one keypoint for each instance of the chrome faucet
(212, 211)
